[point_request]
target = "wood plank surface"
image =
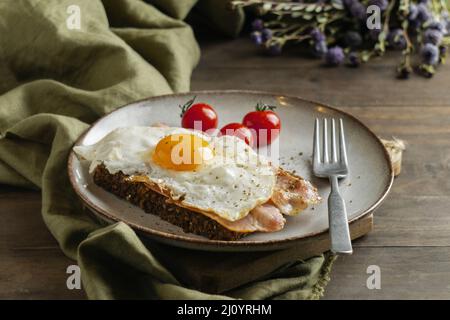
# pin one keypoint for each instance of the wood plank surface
(411, 237)
(31, 264)
(406, 273)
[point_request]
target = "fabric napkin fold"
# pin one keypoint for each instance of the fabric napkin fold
(55, 80)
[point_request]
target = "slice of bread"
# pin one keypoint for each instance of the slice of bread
(141, 195)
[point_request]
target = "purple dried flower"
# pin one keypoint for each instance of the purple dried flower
(432, 36)
(353, 59)
(274, 49)
(257, 25)
(430, 54)
(320, 48)
(256, 37)
(317, 35)
(348, 3)
(382, 4)
(423, 14)
(396, 39)
(358, 10)
(266, 34)
(335, 56)
(413, 12)
(352, 39)
(436, 25)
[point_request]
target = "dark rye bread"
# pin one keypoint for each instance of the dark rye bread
(140, 194)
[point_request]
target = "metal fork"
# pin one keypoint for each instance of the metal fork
(333, 168)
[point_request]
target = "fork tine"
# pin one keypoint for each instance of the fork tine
(325, 141)
(342, 148)
(333, 141)
(316, 148)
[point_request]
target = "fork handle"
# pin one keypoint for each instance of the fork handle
(337, 217)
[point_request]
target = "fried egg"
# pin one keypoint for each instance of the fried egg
(220, 175)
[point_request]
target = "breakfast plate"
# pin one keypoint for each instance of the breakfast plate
(366, 186)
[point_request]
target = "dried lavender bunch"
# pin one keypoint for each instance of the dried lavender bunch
(351, 32)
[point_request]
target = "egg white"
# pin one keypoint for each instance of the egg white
(230, 184)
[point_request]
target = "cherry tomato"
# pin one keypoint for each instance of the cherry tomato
(263, 118)
(238, 130)
(198, 112)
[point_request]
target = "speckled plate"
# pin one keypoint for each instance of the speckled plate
(365, 188)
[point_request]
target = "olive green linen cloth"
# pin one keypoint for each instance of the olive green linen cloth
(56, 79)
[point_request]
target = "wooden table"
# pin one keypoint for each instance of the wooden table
(411, 239)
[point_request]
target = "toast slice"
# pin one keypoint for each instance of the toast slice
(141, 195)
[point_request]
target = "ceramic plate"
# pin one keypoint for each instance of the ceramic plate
(366, 186)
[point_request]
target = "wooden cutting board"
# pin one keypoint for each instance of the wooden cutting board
(215, 272)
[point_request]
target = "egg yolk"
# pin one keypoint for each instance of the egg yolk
(182, 152)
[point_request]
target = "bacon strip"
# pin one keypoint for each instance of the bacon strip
(293, 194)
(263, 218)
